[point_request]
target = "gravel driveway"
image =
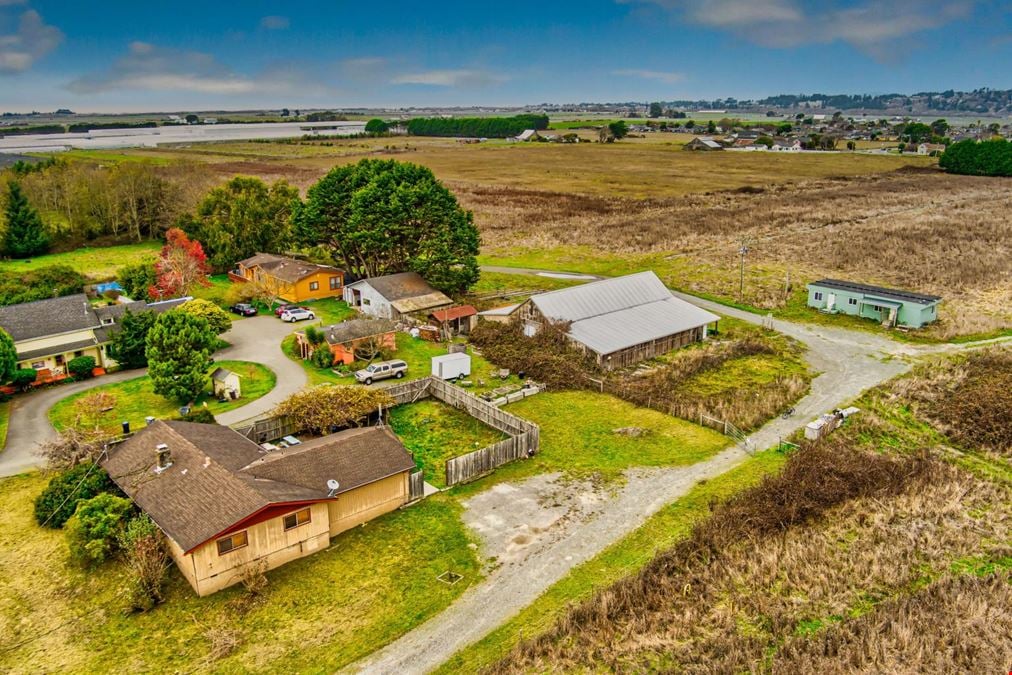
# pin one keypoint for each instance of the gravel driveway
(255, 339)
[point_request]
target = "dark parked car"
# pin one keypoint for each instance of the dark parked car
(281, 309)
(243, 309)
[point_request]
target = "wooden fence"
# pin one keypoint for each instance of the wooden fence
(728, 429)
(416, 486)
(524, 436)
(267, 429)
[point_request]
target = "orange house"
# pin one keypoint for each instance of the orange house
(290, 279)
(345, 338)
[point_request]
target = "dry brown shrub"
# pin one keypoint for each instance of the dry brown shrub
(547, 357)
(71, 447)
(223, 641)
(836, 530)
(959, 624)
(253, 577)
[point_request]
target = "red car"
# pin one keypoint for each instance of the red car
(281, 309)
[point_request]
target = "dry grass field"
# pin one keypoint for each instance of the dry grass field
(644, 202)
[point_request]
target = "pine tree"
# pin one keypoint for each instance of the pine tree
(26, 235)
(8, 357)
(179, 348)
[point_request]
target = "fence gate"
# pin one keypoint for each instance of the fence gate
(416, 486)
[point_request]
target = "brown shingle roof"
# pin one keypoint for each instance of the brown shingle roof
(356, 329)
(48, 317)
(286, 269)
(219, 477)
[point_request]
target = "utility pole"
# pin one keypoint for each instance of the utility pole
(743, 251)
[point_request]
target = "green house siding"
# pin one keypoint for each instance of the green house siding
(871, 306)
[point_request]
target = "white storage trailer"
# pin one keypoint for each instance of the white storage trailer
(451, 366)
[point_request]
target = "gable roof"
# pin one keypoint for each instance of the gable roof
(356, 329)
(51, 316)
(880, 291)
(613, 314)
(501, 311)
(406, 291)
(454, 313)
(286, 269)
(218, 477)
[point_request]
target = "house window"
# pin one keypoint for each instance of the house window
(852, 301)
(335, 283)
(78, 354)
(107, 320)
(818, 295)
(38, 365)
(231, 543)
(314, 285)
(293, 520)
(366, 301)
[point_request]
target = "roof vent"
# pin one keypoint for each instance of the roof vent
(164, 457)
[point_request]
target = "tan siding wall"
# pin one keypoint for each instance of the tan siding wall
(267, 541)
(367, 502)
(183, 562)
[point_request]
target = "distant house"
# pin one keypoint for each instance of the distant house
(290, 279)
(620, 321)
(703, 143)
(888, 306)
(455, 320)
(527, 135)
(346, 337)
(930, 148)
(50, 333)
(224, 503)
(395, 295)
(786, 145)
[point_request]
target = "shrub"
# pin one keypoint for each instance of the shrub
(147, 561)
(138, 278)
(58, 501)
(322, 357)
(217, 317)
(24, 377)
(199, 416)
(74, 445)
(81, 367)
(39, 284)
(547, 357)
(321, 409)
(93, 532)
(986, 158)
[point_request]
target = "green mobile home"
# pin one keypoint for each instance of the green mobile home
(888, 306)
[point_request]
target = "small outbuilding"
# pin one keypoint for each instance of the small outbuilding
(395, 295)
(455, 320)
(703, 143)
(348, 339)
(226, 384)
(888, 306)
(500, 314)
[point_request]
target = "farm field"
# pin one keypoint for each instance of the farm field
(135, 399)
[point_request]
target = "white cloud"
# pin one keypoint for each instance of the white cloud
(659, 75)
(33, 39)
(873, 26)
(149, 67)
(274, 22)
(464, 78)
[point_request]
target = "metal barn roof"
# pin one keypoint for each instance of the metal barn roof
(613, 314)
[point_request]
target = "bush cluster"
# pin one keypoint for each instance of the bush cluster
(39, 284)
(476, 127)
(58, 501)
(986, 158)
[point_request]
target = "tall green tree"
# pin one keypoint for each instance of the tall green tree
(376, 126)
(382, 216)
(179, 348)
(243, 217)
(26, 235)
(8, 357)
(218, 318)
(136, 279)
(618, 129)
(656, 109)
(128, 345)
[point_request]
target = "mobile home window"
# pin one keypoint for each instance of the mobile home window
(314, 285)
(232, 542)
(818, 295)
(293, 520)
(852, 301)
(335, 283)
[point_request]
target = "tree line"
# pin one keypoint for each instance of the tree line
(476, 127)
(985, 158)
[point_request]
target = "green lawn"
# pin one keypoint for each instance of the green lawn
(99, 264)
(215, 292)
(330, 310)
(662, 530)
(578, 437)
(5, 418)
(434, 432)
(136, 400)
(320, 613)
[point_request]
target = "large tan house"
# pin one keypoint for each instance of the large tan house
(224, 503)
(290, 279)
(50, 333)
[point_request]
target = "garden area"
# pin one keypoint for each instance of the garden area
(106, 406)
(434, 433)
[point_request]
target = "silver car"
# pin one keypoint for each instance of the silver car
(381, 370)
(297, 314)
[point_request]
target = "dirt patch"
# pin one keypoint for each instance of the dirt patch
(516, 520)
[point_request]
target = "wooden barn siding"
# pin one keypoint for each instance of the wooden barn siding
(525, 436)
(649, 350)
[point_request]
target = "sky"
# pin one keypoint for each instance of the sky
(115, 56)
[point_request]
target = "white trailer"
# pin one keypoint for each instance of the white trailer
(451, 366)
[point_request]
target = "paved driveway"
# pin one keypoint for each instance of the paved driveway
(255, 339)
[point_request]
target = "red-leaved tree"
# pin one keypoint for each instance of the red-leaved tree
(181, 264)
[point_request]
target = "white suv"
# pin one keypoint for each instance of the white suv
(297, 314)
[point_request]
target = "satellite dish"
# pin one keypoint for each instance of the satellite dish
(332, 485)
